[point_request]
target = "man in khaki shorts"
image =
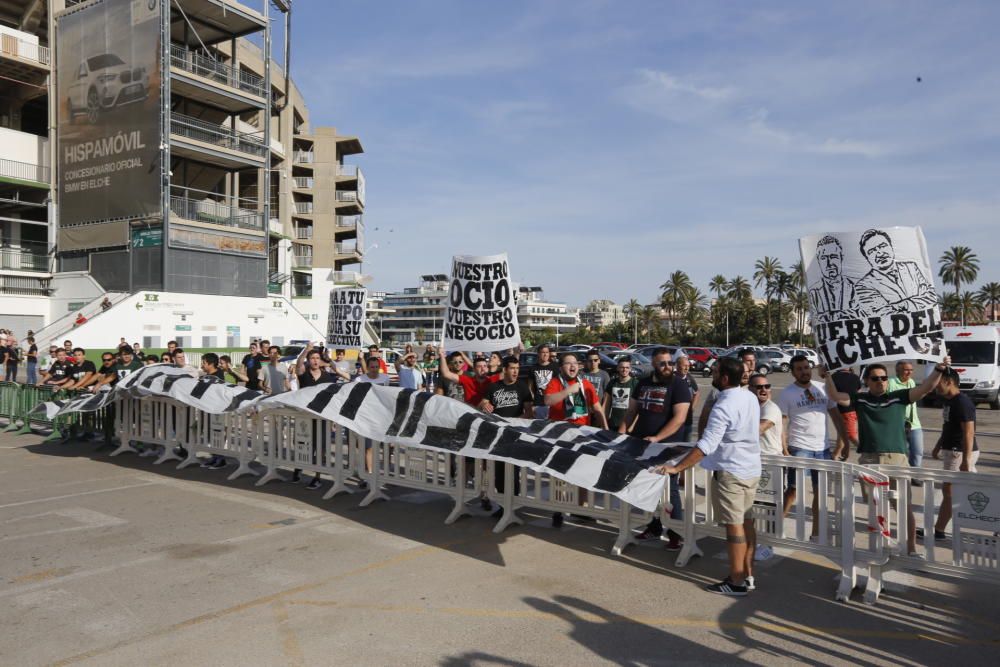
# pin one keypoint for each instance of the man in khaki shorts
(882, 419)
(730, 447)
(957, 444)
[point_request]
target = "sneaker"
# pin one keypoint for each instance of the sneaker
(648, 534)
(207, 464)
(296, 477)
(938, 534)
(750, 583)
(314, 484)
(498, 514)
(557, 519)
(219, 463)
(675, 543)
(362, 485)
(180, 451)
(485, 504)
(726, 587)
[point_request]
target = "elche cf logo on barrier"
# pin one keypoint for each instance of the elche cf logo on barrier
(979, 501)
(764, 481)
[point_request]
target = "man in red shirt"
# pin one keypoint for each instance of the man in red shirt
(474, 385)
(573, 399)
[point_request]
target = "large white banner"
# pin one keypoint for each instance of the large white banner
(346, 322)
(872, 296)
(482, 312)
(581, 455)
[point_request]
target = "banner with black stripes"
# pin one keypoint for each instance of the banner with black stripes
(581, 455)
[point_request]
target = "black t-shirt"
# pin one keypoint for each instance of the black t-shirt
(81, 370)
(217, 373)
(693, 388)
(10, 353)
(508, 399)
(957, 410)
(61, 370)
(542, 375)
(306, 379)
(33, 354)
(846, 383)
(105, 371)
(252, 363)
(620, 393)
(656, 401)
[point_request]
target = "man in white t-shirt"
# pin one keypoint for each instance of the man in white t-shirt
(805, 407)
(770, 416)
(410, 375)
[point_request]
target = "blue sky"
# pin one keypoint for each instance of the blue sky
(604, 145)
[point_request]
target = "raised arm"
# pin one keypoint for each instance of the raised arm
(443, 368)
(300, 361)
(838, 397)
(927, 386)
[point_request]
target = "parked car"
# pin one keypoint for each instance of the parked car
(620, 346)
(607, 363)
(103, 82)
(774, 360)
(641, 364)
(762, 366)
(695, 354)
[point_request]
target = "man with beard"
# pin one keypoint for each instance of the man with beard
(657, 409)
(474, 386)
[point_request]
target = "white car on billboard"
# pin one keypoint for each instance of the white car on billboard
(104, 82)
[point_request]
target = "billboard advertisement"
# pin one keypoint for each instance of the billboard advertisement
(108, 100)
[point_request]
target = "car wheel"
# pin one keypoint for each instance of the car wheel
(763, 370)
(93, 105)
(784, 368)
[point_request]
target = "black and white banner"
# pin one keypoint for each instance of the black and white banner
(482, 311)
(584, 456)
(872, 296)
(346, 321)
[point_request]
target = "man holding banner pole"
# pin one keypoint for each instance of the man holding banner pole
(881, 421)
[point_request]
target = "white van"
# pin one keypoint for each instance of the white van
(974, 353)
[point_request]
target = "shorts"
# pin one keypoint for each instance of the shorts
(883, 459)
(850, 424)
(822, 455)
(733, 498)
(953, 459)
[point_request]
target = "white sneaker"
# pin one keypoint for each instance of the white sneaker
(750, 583)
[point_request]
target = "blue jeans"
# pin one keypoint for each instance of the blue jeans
(915, 438)
(32, 369)
(823, 455)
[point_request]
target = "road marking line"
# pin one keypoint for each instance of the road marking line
(89, 518)
(74, 482)
(75, 495)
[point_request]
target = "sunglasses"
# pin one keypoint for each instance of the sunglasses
(107, 359)
(878, 378)
(663, 364)
(758, 387)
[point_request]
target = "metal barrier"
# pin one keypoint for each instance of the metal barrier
(10, 404)
(972, 550)
(30, 396)
(854, 527)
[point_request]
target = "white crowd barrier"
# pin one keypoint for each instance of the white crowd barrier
(856, 526)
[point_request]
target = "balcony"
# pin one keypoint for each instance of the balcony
(348, 221)
(300, 262)
(23, 58)
(24, 172)
(209, 142)
(25, 285)
(347, 248)
(304, 207)
(304, 157)
(347, 196)
(25, 256)
(347, 170)
(347, 277)
(215, 209)
(304, 232)
(303, 182)
(207, 79)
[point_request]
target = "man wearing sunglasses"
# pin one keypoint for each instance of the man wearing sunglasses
(881, 420)
(805, 407)
(771, 426)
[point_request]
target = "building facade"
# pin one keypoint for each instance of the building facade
(248, 199)
(601, 313)
(535, 314)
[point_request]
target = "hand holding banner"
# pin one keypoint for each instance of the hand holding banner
(872, 297)
(346, 322)
(482, 313)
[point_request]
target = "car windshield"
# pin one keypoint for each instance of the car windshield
(103, 61)
(972, 352)
(291, 350)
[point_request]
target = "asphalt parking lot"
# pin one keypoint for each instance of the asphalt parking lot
(114, 561)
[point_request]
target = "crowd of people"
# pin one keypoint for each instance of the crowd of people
(740, 417)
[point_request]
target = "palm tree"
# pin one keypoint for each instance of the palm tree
(674, 290)
(631, 310)
(990, 294)
(958, 265)
(718, 285)
(970, 306)
(738, 289)
(784, 287)
(765, 271)
(648, 315)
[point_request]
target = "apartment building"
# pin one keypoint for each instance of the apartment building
(535, 313)
(416, 314)
(231, 192)
(601, 313)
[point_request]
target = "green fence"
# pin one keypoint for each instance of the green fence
(18, 400)
(10, 404)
